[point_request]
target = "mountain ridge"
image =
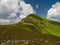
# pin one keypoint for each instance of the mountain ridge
(31, 26)
(43, 24)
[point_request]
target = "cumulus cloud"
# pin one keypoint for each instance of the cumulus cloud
(25, 9)
(54, 12)
(13, 11)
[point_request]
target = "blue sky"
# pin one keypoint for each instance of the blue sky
(44, 6)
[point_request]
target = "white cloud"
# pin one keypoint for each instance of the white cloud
(10, 8)
(4, 21)
(54, 12)
(37, 6)
(26, 9)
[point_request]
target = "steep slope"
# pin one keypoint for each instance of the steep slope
(42, 25)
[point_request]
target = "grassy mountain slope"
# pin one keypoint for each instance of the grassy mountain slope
(31, 27)
(42, 25)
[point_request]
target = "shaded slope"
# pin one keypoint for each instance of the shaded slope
(21, 31)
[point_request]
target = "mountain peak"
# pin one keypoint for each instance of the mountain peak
(43, 25)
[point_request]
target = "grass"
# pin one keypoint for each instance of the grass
(43, 25)
(32, 27)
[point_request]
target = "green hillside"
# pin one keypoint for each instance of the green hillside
(33, 28)
(42, 25)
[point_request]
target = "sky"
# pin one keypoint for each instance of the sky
(13, 11)
(43, 6)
